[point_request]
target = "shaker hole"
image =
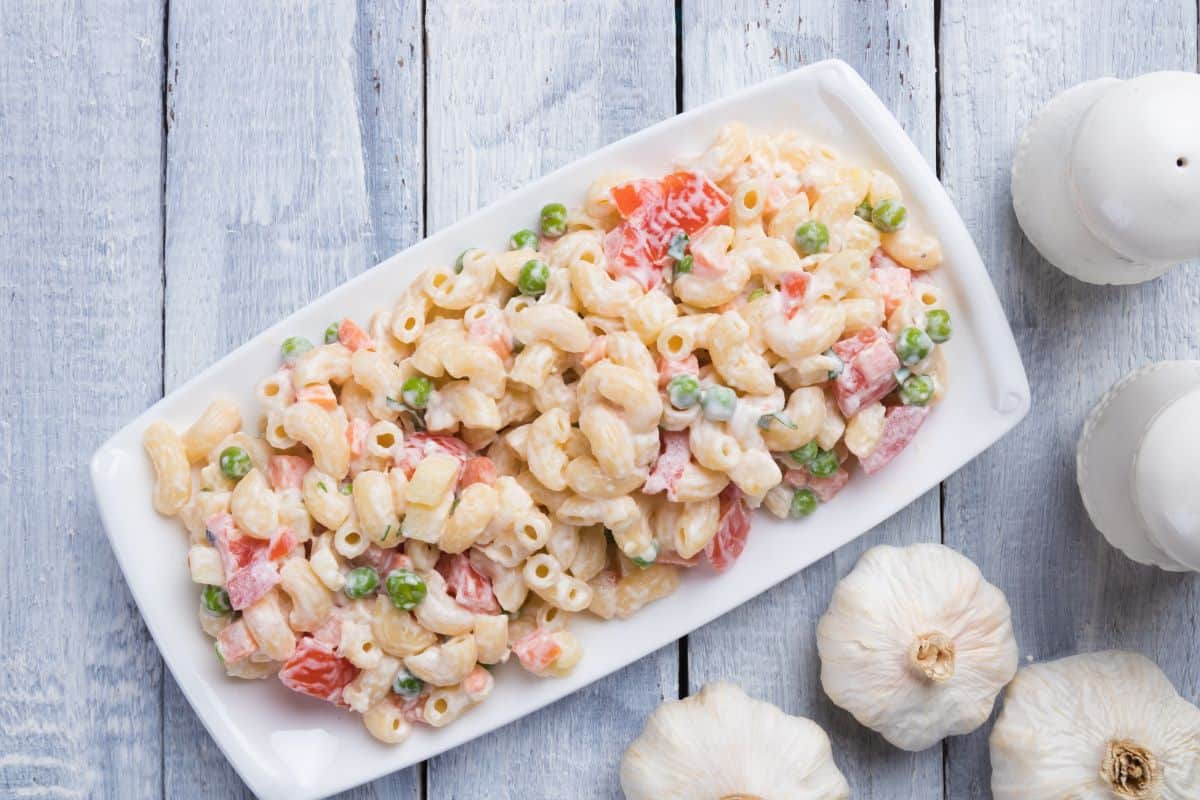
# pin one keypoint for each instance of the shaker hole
(1181, 161)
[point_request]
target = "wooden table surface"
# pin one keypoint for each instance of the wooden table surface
(175, 179)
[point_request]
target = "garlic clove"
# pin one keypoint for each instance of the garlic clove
(916, 644)
(721, 744)
(1096, 726)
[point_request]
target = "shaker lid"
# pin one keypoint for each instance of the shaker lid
(1166, 480)
(1135, 167)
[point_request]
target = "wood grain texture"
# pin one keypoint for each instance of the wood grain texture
(768, 645)
(274, 113)
(516, 90)
(81, 289)
(1016, 510)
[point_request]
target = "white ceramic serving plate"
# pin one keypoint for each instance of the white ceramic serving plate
(285, 745)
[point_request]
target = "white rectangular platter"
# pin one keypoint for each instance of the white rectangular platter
(285, 745)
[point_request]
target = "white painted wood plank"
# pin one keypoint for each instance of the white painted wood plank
(1016, 510)
(269, 205)
(768, 646)
(516, 90)
(81, 288)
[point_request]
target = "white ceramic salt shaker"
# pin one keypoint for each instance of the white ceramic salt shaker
(1106, 178)
(1138, 464)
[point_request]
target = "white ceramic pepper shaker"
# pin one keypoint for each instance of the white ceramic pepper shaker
(1106, 178)
(1138, 465)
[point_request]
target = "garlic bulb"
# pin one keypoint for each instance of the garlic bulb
(722, 745)
(916, 644)
(1097, 726)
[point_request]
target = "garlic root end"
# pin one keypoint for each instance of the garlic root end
(932, 656)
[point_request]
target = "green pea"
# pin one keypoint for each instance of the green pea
(407, 684)
(534, 275)
(864, 210)
(717, 403)
(415, 391)
(554, 220)
(889, 215)
(804, 502)
(937, 325)
(647, 557)
(917, 391)
(346, 489)
(360, 582)
(684, 265)
(235, 462)
(912, 345)
(683, 391)
(293, 347)
(216, 601)
(523, 239)
(812, 237)
(331, 333)
(757, 293)
(678, 246)
(805, 454)
(406, 589)
(824, 464)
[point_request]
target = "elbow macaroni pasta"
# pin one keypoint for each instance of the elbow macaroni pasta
(527, 434)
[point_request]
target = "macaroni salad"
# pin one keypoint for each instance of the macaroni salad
(560, 427)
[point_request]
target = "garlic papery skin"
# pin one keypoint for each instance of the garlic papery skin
(1097, 726)
(916, 644)
(721, 744)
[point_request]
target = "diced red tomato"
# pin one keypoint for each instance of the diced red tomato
(793, 286)
(491, 329)
(469, 588)
(629, 197)
(419, 445)
(868, 373)
(248, 585)
(330, 632)
(282, 543)
(693, 202)
(630, 253)
(319, 394)
(413, 709)
(596, 351)
(236, 549)
(479, 469)
(654, 211)
(670, 367)
(478, 683)
(287, 472)
(892, 279)
(673, 456)
(900, 425)
(235, 642)
(671, 557)
(823, 488)
(733, 527)
(377, 559)
(356, 436)
(316, 670)
(537, 650)
(353, 336)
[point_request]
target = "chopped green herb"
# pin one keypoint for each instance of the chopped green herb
(678, 246)
(331, 333)
(321, 485)
(765, 420)
(346, 489)
(684, 265)
(757, 293)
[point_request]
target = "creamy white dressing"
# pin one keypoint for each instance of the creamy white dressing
(743, 426)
